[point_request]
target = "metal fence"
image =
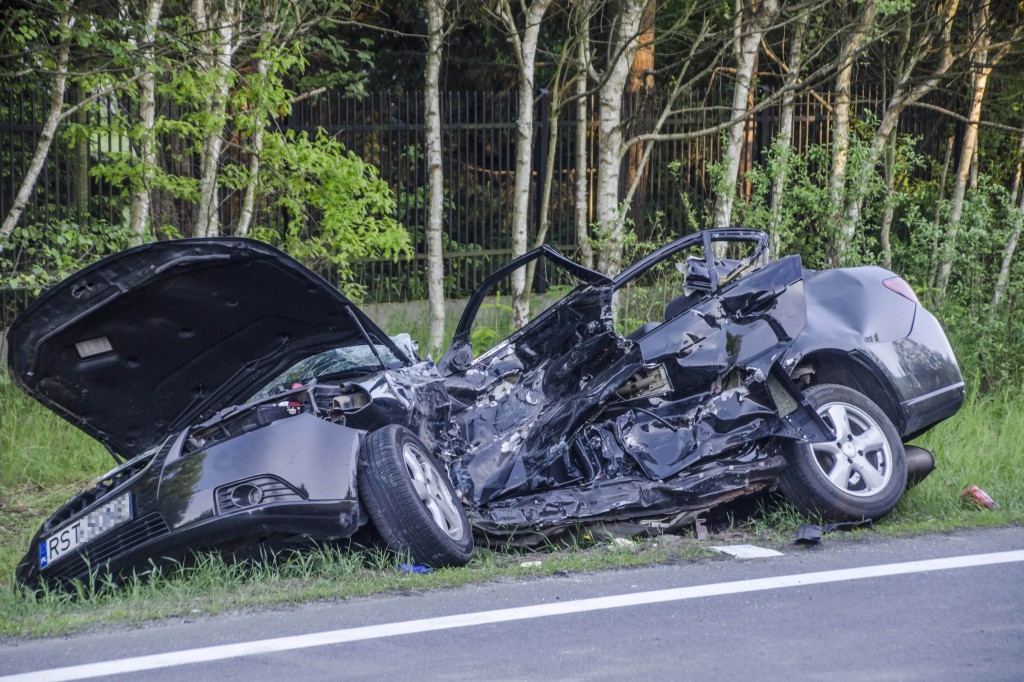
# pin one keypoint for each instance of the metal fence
(388, 131)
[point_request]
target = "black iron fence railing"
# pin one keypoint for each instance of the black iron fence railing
(388, 131)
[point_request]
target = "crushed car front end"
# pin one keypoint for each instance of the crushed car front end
(269, 474)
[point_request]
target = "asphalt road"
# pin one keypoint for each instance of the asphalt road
(821, 613)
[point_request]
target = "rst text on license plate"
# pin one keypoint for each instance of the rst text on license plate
(84, 529)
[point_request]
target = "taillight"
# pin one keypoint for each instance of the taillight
(900, 286)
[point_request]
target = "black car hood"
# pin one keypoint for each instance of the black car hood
(150, 340)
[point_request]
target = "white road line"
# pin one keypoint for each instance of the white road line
(265, 646)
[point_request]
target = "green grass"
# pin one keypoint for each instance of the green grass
(323, 573)
(982, 445)
(44, 460)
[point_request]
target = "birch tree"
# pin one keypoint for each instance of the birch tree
(584, 10)
(889, 211)
(750, 21)
(64, 37)
(850, 48)
(524, 41)
(255, 152)
(784, 138)
(622, 47)
(436, 10)
(139, 212)
(1018, 224)
(217, 28)
(926, 56)
(640, 83)
(984, 58)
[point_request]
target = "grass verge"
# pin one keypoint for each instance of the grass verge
(43, 461)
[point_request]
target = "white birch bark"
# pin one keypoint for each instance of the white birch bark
(248, 209)
(970, 143)
(933, 261)
(67, 22)
(220, 32)
(610, 215)
(887, 213)
(851, 47)
(785, 135)
(750, 22)
(435, 215)
(524, 48)
(1011, 244)
(586, 252)
(139, 212)
(910, 88)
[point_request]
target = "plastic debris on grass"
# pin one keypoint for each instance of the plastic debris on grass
(747, 551)
(977, 497)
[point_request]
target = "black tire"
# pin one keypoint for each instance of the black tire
(423, 519)
(871, 480)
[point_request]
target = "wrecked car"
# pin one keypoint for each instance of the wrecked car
(249, 402)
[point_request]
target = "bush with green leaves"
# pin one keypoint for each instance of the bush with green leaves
(338, 209)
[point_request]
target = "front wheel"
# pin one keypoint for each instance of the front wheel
(410, 500)
(861, 474)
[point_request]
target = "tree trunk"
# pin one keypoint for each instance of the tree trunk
(887, 214)
(641, 78)
(972, 183)
(750, 25)
(582, 215)
(1015, 187)
(641, 72)
(147, 116)
(934, 260)
(1011, 243)
(967, 152)
(435, 215)
(610, 215)
(80, 174)
(908, 90)
(220, 34)
(549, 177)
(852, 45)
(67, 22)
(785, 136)
(245, 215)
(525, 48)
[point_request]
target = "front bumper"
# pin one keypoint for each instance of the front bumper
(181, 501)
(146, 540)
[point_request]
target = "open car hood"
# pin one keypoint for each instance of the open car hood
(150, 340)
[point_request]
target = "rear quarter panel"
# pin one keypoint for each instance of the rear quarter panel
(901, 344)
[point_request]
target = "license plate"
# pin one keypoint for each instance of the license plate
(85, 529)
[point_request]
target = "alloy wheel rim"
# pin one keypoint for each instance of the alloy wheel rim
(859, 461)
(432, 491)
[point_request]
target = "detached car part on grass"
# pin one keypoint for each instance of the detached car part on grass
(252, 403)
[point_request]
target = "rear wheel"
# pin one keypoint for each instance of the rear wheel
(411, 501)
(861, 474)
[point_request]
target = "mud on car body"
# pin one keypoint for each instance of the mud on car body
(252, 403)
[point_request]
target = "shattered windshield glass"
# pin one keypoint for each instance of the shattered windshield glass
(345, 360)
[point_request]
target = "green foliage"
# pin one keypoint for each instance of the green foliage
(987, 342)
(338, 208)
(327, 207)
(644, 299)
(38, 256)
